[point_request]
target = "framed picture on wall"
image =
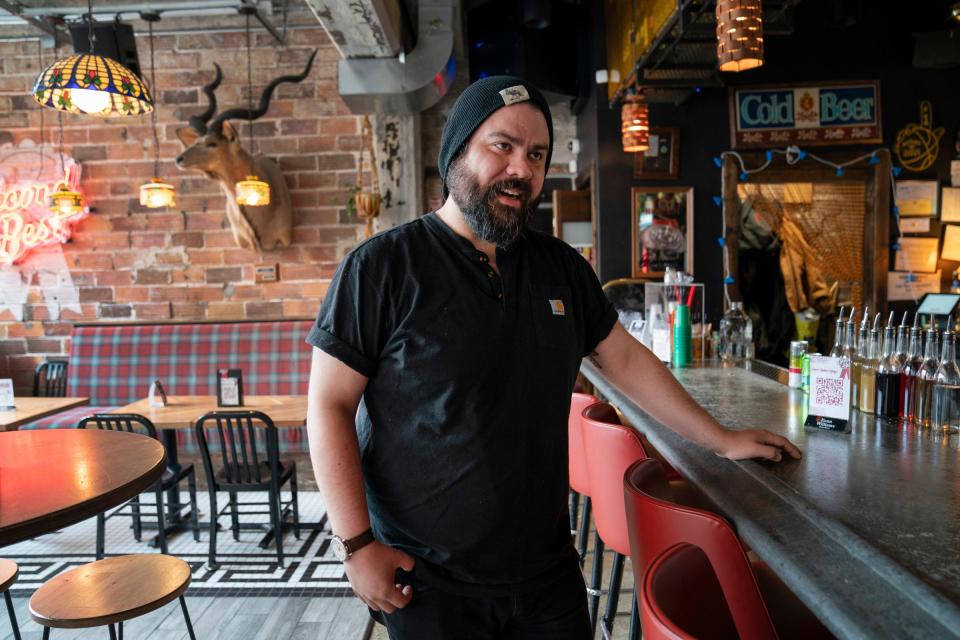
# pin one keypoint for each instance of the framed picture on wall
(662, 230)
(661, 161)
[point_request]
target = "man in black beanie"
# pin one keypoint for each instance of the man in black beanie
(446, 352)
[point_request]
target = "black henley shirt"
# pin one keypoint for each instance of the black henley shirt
(463, 423)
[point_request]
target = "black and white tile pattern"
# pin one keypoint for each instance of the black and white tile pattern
(244, 568)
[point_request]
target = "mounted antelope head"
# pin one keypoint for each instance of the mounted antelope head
(213, 147)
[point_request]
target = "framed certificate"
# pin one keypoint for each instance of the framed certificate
(229, 388)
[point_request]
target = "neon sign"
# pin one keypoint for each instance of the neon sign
(25, 220)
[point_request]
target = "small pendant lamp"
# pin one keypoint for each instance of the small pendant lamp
(156, 193)
(90, 84)
(739, 34)
(252, 192)
(634, 124)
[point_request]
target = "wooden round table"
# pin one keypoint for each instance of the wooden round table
(53, 478)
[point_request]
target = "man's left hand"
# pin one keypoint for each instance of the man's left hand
(757, 443)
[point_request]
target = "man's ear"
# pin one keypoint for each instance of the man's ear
(188, 136)
(229, 133)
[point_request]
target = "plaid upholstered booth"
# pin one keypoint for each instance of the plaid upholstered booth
(114, 364)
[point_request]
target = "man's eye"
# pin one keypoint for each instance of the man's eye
(502, 146)
(537, 156)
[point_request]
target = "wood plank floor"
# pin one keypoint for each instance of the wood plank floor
(224, 619)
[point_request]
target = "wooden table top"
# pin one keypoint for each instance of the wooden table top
(51, 478)
(30, 409)
(182, 412)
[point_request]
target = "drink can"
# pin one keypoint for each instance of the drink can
(805, 372)
(797, 349)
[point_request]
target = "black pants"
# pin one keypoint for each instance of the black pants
(556, 611)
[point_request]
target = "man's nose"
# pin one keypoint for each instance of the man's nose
(519, 167)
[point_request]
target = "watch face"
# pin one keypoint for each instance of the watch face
(339, 550)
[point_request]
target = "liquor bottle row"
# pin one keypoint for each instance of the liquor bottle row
(894, 378)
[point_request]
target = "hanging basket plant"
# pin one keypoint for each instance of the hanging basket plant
(367, 203)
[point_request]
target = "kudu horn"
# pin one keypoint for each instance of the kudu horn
(199, 123)
(247, 114)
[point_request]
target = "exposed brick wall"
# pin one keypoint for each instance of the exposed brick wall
(125, 263)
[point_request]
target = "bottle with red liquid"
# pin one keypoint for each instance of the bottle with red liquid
(888, 375)
(908, 374)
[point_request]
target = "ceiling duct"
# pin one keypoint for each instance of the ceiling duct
(408, 83)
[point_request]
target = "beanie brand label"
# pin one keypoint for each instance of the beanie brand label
(514, 94)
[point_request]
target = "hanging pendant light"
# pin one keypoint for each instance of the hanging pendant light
(156, 193)
(91, 84)
(739, 34)
(634, 124)
(252, 192)
(65, 202)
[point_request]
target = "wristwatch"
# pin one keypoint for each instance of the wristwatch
(343, 549)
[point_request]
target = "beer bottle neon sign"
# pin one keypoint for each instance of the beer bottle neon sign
(26, 222)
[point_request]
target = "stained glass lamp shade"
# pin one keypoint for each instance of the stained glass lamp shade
(92, 84)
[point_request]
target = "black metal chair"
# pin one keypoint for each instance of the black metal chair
(241, 466)
(135, 423)
(50, 379)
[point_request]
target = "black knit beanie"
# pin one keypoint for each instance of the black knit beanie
(475, 105)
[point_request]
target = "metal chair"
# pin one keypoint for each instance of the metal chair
(50, 379)
(135, 423)
(8, 575)
(241, 467)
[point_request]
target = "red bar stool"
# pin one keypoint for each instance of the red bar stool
(579, 478)
(697, 579)
(610, 448)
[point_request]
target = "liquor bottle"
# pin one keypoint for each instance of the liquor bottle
(862, 346)
(946, 388)
(868, 369)
(908, 374)
(888, 374)
(850, 352)
(925, 379)
(903, 341)
(837, 349)
(735, 326)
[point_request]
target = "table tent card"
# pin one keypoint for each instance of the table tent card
(6, 394)
(829, 393)
(229, 388)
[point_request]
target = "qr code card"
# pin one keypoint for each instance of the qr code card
(830, 389)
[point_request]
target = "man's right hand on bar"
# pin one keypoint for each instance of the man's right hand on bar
(372, 571)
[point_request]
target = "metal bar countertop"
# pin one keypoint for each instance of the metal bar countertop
(865, 528)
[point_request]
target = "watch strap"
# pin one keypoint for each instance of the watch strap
(356, 543)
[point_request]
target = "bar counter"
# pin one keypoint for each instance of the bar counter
(865, 528)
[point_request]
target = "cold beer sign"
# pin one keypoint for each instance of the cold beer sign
(805, 115)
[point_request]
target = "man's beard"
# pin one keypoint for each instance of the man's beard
(490, 220)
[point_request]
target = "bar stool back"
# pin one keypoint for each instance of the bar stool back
(610, 448)
(579, 478)
(108, 592)
(656, 524)
(8, 575)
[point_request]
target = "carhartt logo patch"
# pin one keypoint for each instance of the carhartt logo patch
(557, 307)
(514, 94)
